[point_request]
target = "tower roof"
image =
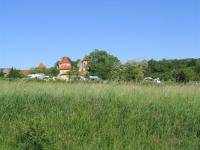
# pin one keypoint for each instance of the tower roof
(65, 63)
(41, 66)
(65, 60)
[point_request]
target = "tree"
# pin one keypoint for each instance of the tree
(181, 77)
(2, 74)
(51, 71)
(133, 72)
(167, 69)
(117, 71)
(100, 63)
(14, 73)
(197, 67)
(56, 64)
(127, 72)
(75, 63)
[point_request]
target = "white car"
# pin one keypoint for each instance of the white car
(156, 80)
(94, 78)
(40, 76)
(148, 79)
(83, 78)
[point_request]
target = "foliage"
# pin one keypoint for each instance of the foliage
(53, 71)
(2, 74)
(181, 77)
(197, 66)
(127, 72)
(100, 63)
(74, 70)
(56, 64)
(75, 63)
(14, 73)
(167, 69)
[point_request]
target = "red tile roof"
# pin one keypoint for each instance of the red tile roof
(25, 72)
(65, 60)
(65, 64)
(41, 66)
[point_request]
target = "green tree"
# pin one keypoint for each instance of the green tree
(75, 63)
(51, 71)
(197, 66)
(181, 77)
(117, 72)
(14, 73)
(2, 73)
(127, 72)
(100, 63)
(133, 72)
(167, 69)
(56, 64)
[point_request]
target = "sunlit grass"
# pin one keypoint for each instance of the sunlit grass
(98, 116)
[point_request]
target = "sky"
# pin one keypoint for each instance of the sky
(43, 31)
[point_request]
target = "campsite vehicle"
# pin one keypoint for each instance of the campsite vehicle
(155, 80)
(40, 76)
(94, 78)
(148, 79)
(83, 78)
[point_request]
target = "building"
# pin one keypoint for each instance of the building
(25, 72)
(41, 67)
(64, 68)
(83, 70)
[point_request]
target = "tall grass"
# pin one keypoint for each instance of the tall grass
(87, 116)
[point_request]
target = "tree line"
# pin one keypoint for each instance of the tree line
(109, 67)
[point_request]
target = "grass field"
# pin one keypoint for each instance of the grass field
(37, 115)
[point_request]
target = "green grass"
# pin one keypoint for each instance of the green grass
(37, 115)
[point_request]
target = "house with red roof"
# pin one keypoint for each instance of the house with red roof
(64, 68)
(25, 72)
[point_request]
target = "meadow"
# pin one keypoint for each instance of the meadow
(103, 116)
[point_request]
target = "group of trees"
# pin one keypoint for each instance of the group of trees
(173, 69)
(2, 74)
(127, 72)
(13, 73)
(109, 67)
(52, 71)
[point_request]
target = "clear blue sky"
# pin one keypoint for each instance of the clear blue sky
(34, 31)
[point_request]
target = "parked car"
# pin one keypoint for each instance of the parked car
(156, 80)
(40, 76)
(94, 78)
(148, 79)
(83, 78)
